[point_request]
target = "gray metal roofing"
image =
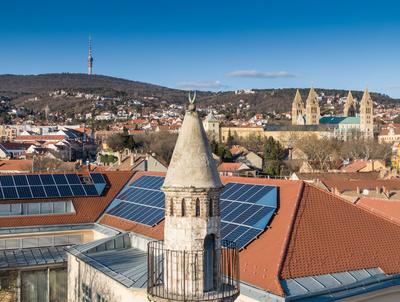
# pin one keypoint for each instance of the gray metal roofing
(59, 228)
(127, 266)
(311, 285)
(33, 257)
(121, 262)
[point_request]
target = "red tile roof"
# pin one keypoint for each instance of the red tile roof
(389, 209)
(10, 165)
(355, 166)
(31, 138)
(351, 185)
(331, 234)
(231, 167)
(88, 209)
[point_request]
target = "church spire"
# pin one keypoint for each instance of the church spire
(312, 108)
(367, 115)
(349, 106)
(90, 58)
(297, 109)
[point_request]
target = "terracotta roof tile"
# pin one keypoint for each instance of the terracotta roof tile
(386, 208)
(355, 166)
(331, 234)
(22, 165)
(370, 184)
(229, 167)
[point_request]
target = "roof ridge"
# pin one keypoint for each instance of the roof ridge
(290, 230)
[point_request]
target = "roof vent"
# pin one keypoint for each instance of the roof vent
(365, 192)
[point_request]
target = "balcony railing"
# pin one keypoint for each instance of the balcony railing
(193, 275)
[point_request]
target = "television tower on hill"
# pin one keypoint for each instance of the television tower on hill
(90, 58)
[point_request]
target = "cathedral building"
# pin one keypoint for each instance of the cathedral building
(352, 123)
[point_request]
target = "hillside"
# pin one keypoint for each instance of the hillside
(22, 89)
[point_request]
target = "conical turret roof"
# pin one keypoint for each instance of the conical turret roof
(192, 164)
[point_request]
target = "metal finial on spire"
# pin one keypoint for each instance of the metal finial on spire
(192, 106)
(191, 100)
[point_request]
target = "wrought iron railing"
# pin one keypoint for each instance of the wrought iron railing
(191, 275)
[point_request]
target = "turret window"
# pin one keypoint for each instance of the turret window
(197, 214)
(183, 207)
(171, 207)
(210, 208)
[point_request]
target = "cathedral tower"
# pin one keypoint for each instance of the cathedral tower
(90, 58)
(297, 109)
(192, 265)
(350, 107)
(367, 115)
(312, 108)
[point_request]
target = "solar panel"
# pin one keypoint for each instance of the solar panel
(24, 192)
(98, 178)
(60, 179)
(7, 181)
(50, 185)
(20, 180)
(246, 209)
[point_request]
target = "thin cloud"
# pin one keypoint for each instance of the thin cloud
(259, 74)
(201, 85)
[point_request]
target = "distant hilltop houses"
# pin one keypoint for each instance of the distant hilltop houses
(357, 120)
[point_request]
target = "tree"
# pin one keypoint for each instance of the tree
(120, 141)
(319, 151)
(253, 142)
(274, 154)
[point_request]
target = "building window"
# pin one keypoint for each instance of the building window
(37, 208)
(197, 208)
(171, 207)
(183, 207)
(86, 293)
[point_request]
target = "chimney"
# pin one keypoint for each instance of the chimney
(378, 190)
(132, 155)
(358, 190)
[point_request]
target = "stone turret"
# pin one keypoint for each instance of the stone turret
(192, 249)
(350, 107)
(367, 115)
(297, 109)
(312, 108)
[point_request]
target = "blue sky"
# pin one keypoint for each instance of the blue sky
(216, 45)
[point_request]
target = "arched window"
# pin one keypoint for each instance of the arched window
(171, 207)
(197, 208)
(183, 207)
(211, 208)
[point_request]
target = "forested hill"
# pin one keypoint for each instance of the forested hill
(20, 88)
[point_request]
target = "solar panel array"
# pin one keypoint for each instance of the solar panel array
(142, 201)
(246, 209)
(26, 186)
